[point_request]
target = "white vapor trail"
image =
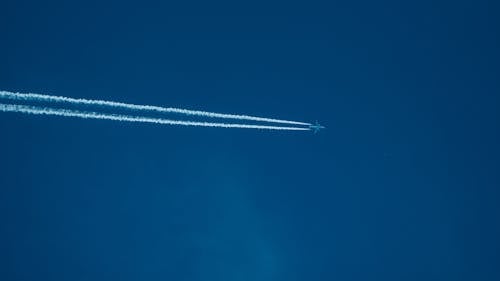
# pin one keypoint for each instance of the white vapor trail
(129, 118)
(143, 108)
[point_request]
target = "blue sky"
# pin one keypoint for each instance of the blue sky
(402, 185)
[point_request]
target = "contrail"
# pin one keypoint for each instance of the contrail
(143, 108)
(129, 118)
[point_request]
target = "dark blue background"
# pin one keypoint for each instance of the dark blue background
(403, 185)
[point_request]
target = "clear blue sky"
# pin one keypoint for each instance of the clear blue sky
(402, 185)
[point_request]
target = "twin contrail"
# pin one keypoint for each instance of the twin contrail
(57, 111)
(126, 118)
(142, 108)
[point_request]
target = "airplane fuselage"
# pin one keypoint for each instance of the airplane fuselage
(316, 127)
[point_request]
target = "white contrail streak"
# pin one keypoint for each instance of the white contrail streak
(144, 108)
(128, 118)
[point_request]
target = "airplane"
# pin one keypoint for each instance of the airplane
(316, 127)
